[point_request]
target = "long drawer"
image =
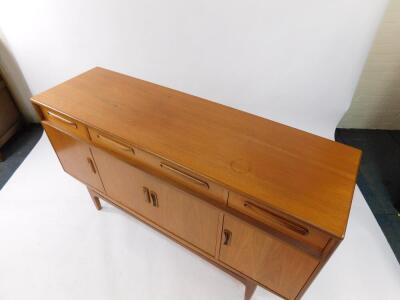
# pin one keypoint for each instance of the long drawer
(165, 168)
(107, 142)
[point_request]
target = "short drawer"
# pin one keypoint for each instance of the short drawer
(110, 143)
(68, 124)
(292, 228)
(183, 176)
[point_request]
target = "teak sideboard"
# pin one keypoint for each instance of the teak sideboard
(265, 202)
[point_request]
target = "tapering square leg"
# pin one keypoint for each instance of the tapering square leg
(250, 288)
(95, 198)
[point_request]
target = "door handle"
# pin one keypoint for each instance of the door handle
(184, 175)
(114, 144)
(146, 194)
(281, 221)
(154, 198)
(90, 161)
(227, 237)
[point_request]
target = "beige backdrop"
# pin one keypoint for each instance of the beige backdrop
(376, 102)
(295, 62)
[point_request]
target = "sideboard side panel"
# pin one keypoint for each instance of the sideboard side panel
(275, 264)
(75, 157)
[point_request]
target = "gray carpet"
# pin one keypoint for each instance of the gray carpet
(379, 177)
(17, 149)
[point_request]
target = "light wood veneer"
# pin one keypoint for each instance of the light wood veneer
(265, 202)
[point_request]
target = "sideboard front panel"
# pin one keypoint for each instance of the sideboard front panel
(182, 214)
(264, 258)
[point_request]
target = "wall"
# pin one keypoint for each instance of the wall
(376, 103)
(296, 62)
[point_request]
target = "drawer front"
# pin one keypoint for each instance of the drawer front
(105, 141)
(160, 167)
(180, 213)
(66, 123)
(183, 177)
(271, 262)
(291, 228)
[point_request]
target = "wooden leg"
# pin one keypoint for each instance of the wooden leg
(95, 198)
(250, 288)
(249, 284)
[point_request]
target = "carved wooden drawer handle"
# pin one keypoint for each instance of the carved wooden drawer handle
(187, 176)
(288, 224)
(113, 143)
(90, 161)
(146, 194)
(68, 122)
(154, 198)
(227, 237)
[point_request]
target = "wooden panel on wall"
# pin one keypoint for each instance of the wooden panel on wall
(376, 102)
(9, 115)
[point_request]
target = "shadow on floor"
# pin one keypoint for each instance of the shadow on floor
(379, 177)
(17, 149)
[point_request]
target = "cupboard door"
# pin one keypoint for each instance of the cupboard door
(125, 184)
(75, 157)
(187, 216)
(273, 263)
(178, 212)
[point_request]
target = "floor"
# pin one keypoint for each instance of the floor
(51, 228)
(17, 149)
(379, 177)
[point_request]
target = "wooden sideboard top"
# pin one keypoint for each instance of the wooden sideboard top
(301, 174)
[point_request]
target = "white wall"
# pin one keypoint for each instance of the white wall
(376, 103)
(296, 62)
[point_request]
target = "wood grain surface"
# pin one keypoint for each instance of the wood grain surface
(282, 268)
(308, 177)
(181, 214)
